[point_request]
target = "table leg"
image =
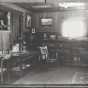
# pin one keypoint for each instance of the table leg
(2, 79)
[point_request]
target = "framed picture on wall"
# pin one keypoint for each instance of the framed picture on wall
(46, 21)
(28, 21)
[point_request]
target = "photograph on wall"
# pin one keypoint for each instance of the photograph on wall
(28, 21)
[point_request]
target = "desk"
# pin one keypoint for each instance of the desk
(12, 60)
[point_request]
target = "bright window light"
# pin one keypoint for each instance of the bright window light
(74, 28)
(71, 4)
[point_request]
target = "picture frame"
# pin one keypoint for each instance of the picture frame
(28, 21)
(48, 21)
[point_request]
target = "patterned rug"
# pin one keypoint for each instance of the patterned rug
(80, 78)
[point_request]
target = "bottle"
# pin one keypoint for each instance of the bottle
(33, 30)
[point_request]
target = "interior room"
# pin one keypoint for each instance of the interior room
(43, 42)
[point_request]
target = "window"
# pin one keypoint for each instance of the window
(74, 28)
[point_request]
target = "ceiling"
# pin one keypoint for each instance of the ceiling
(19, 1)
(50, 5)
(33, 4)
(39, 1)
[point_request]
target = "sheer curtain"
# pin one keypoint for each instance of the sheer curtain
(4, 40)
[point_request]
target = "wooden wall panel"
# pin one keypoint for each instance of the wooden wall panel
(58, 18)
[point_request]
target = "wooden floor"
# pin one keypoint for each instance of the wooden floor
(55, 75)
